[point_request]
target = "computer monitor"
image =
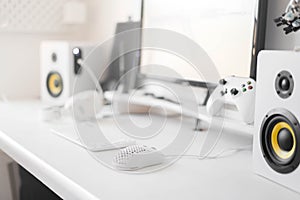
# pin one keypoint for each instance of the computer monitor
(231, 32)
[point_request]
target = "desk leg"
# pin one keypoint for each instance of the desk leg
(6, 191)
(33, 189)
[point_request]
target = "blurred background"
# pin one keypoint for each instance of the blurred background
(25, 23)
(223, 28)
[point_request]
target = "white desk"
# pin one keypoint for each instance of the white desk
(73, 174)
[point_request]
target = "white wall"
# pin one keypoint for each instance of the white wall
(19, 52)
(106, 13)
(19, 63)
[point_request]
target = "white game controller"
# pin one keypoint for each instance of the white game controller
(235, 91)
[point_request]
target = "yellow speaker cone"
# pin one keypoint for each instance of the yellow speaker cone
(283, 153)
(280, 137)
(54, 84)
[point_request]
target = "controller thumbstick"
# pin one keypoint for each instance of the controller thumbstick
(234, 91)
(222, 82)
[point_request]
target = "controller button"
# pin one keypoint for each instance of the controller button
(243, 85)
(249, 82)
(244, 89)
(250, 87)
(222, 82)
(234, 91)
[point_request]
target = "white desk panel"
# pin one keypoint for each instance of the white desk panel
(73, 174)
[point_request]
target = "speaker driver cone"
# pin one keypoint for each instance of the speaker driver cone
(280, 140)
(284, 84)
(54, 84)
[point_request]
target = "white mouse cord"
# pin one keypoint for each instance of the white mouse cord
(91, 73)
(217, 155)
(225, 151)
(213, 147)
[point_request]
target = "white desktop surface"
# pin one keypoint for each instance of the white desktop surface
(73, 173)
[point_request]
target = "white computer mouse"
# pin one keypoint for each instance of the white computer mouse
(137, 157)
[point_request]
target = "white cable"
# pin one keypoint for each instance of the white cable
(217, 155)
(213, 147)
(84, 108)
(91, 73)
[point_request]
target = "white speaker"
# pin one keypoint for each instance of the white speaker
(276, 147)
(60, 70)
